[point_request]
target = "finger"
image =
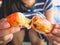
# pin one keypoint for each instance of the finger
(4, 24)
(9, 31)
(55, 38)
(6, 39)
(56, 43)
(56, 32)
(15, 29)
(57, 26)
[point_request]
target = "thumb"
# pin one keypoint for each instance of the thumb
(4, 24)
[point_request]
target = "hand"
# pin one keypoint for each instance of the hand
(55, 35)
(6, 32)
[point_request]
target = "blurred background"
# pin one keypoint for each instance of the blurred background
(56, 11)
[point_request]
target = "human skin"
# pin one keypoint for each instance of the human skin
(6, 32)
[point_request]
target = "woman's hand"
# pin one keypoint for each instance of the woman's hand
(6, 32)
(55, 35)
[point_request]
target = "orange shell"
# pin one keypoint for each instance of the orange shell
(40, 24)
(17, 19)
(14, 19)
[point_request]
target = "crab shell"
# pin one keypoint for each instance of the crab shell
(40, 24)
(18, 19)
